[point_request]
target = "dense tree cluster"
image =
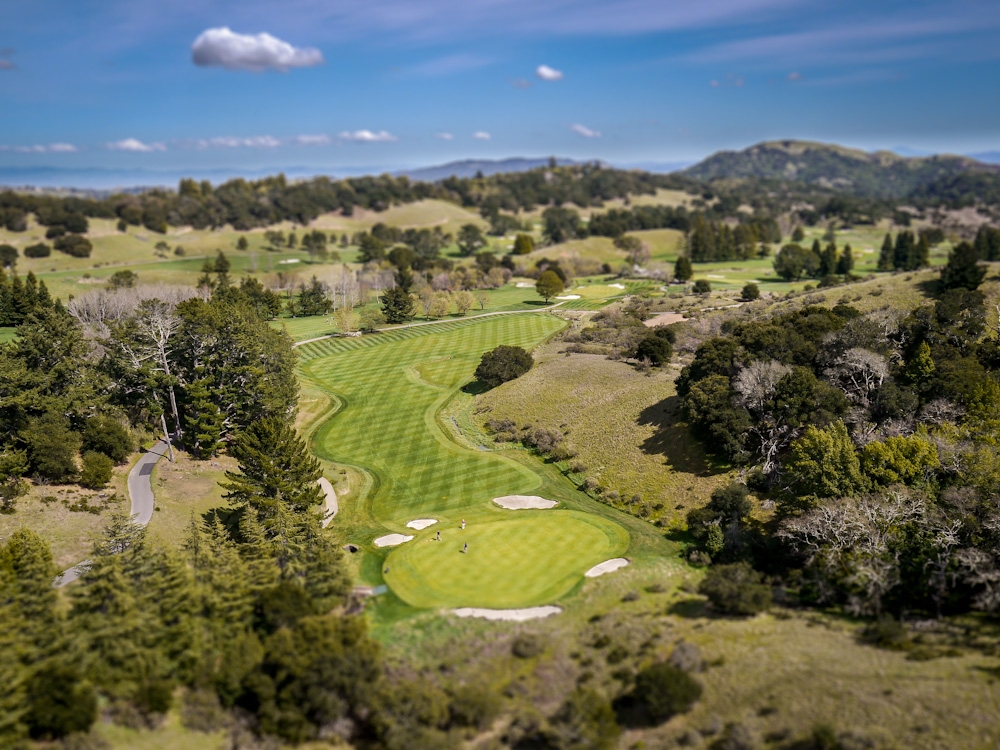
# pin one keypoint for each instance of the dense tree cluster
(19, 299)
(877, 437)
(713, 241)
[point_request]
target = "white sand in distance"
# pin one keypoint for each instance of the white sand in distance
(608, 566)
(421, 523)
(391, 540)
(569, 296)
(617, 286)
(524, 285)
(331, 501)
(513, 615)
(524, 502)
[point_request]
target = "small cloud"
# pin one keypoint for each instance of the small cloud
(367, 136)
(548, 74)
(62, 148)
(228, 141)
(225, 48)
(7, 65)
(133, 144)
(481, 135)
(36, 149)
(313, 140)
(521, 83)
(445, 136)
(714, 84)
(730, 81)
(794, 76)
(585, 131)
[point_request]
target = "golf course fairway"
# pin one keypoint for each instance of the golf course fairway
(390, 389)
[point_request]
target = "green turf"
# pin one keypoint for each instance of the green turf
(525, 558)
(6, 334)
(391, 388)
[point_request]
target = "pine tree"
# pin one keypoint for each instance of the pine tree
(168, 598)
(203, 419)
(846, 263)
(885, 256)
(682, 268)
(397, 305)
(13, 702)
(30, 561)
(275, 470)
(920, 254)
(920, 368)
(963, 269)
(828, 261)
(903, 252)
(225, 581)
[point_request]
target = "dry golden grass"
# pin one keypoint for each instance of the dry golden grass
(182, 489)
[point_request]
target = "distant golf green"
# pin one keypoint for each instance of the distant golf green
(391, 388)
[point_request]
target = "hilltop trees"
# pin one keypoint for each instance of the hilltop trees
(963, 270)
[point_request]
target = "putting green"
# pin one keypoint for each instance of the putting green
(532, 559)
(391, 388)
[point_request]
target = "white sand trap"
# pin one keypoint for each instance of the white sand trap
(524, 285)
(421, 523)
(391, 540)
(331, 501)
(569, 296)
(513, 615)
(663, 319)
(714, 276)
(608, 566)
(524, 502)
(288, 261)
(617, 286)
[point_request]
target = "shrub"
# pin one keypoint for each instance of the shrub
(8, 256)
(74, 245)
(123, 279)
(736, 589)
(97, 470)
(55, 231)
(585, 720)
(657, 349)
(542, 440)
(664, 690)
(702, 287)
(887, 633)
(52, 447)
(527, 646)
(107, 436)
(502, 364)
(60, 703)
(474, 706)
(40, 250)
(750, 292)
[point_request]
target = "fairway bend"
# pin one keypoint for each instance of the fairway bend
(140, 492)
(435, 322)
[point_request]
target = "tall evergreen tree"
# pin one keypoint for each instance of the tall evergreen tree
(885, 256)
(828, 261)
(682, 268)
(846, 262)
(902, 254)
(920, 254)
(203, 419)
(397, 305)
(963, 269)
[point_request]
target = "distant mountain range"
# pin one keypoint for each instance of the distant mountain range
(878, 174)
(892, 173)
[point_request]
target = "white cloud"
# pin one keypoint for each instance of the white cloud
(548, 74)
(133, 144)
(228, 141)
(62, 148)
(795, 76)
(481, 135)
(585, 131)
(225, 48)
(445, 136)
(7, 65)
(367, 136)
(313, 140)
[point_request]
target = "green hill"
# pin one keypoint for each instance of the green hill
(881, 174)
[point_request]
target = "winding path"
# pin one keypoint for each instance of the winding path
(140, 492)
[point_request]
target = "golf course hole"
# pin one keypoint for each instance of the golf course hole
(524, 502)
(511, 615)
(510, 564)
(421, 523)
(608, 566)
(391, 540)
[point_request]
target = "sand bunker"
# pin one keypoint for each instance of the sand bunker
(524, 285)
(331, 501)
(391, 540)
(608, 566)
(513, 615)
(524, 502)
(663, 319)
(421, 523)
(617, 286)
(569, 296)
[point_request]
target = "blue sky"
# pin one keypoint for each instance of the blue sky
(191, 84)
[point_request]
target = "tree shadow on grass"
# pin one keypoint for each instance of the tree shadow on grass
(690, 609)
(475, 388)
(536, 302)
(674, 441)
(930, 288)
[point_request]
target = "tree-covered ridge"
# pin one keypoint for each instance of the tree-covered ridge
(877, 439)
(877, 175)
